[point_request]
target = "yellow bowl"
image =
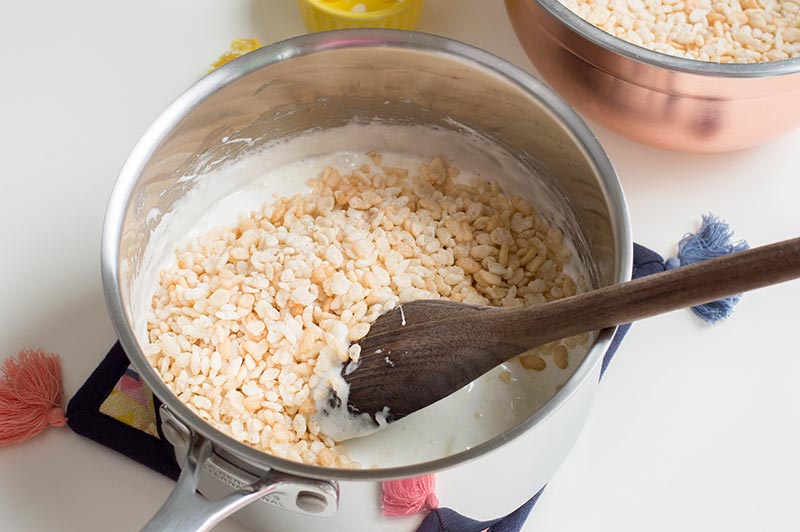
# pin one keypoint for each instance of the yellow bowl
(323, 15)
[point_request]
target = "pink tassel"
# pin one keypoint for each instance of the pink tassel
(30, 396)
(409, 496)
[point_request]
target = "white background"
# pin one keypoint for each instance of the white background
(695, 427)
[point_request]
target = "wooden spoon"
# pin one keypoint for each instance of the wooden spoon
(425, 350)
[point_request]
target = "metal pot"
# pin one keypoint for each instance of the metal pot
(326, 80)
(655, 98)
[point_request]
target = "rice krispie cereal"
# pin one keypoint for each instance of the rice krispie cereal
(247, 325)
(722, 31)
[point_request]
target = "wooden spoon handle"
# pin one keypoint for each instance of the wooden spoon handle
(655, 294)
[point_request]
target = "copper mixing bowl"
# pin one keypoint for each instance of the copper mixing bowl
(651, 97)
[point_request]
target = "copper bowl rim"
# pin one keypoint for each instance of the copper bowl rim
(658, 59)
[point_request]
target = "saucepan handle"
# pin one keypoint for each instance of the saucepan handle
(187, 510)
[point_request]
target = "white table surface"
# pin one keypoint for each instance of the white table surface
(695, 427)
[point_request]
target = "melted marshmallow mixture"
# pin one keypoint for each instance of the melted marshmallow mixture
(259, 308)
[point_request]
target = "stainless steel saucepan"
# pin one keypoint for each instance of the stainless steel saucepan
(324, 81)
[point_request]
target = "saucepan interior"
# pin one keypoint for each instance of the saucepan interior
(410, 93)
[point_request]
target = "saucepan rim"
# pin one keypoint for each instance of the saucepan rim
(307, 44)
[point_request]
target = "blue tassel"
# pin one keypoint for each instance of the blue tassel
(714, 239)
